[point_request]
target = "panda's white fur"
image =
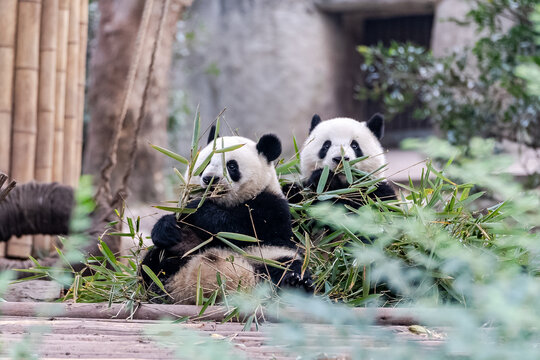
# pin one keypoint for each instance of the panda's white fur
(236, 271)
(258, 174)
(341, 132)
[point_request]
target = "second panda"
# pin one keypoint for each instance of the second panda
(250, 202)
(331, 141)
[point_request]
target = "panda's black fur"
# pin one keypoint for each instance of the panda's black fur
(252, 205)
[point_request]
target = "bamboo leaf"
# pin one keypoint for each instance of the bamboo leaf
(171, 154)
(108, 254)
(180, 176)
(284, 168)
(273, 263)
(347, 170)
(231, 245)
(357, 160)
(229, 148)
(209, 302)
(296, 151)
(323, 179)
(236, 236)
(154, 278)
(176, 209)
(196, 131)
(204, 243)
(204, 164)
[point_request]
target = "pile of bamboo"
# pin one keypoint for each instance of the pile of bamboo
(42, 77)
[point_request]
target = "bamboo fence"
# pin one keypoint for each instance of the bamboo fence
(42, 77)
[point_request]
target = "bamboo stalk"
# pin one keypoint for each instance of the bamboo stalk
(46, 103)
(23, 148)
(83, 39)
(8, 19)
(60, 92)
(71, 107)
(46, 98)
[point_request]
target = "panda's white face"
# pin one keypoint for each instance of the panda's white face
(240, 174)
(331, 139)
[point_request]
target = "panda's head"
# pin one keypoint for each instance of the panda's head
(329, 140)
(240, 174)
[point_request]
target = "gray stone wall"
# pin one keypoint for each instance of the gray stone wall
(272, 64)
(448, 36)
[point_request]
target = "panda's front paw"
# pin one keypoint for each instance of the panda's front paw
(166, 233)
(293, 193)
(295, 280)
(335, 181)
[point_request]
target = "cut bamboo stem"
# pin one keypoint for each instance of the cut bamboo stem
(8, 19)
(23, 148)
(60, 92)
(83, 39)
(71, 106)
(380, 316)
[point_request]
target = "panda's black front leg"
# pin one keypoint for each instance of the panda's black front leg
(211, 218)
(293, 192)
(384, 192)
(334, 181)
(166, 232)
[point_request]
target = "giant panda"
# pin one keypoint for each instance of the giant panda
(245, 198)
(324, 146)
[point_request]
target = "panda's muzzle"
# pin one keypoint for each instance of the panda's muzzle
(210, 179)
(337, 159)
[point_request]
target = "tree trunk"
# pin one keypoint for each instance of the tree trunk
(109, 67)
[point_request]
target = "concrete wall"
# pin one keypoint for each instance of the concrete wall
(447, 35)
(272, 64)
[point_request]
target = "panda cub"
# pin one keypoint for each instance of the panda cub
(249, 202)
(325, 144)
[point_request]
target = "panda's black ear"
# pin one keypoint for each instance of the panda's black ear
(270, 146)
(212, 134)
(315, 120)
(376, 125)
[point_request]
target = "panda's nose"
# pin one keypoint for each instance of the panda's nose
(207, 179)
(337, 159)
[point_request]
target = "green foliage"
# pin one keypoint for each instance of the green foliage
(530, 69)
(418, 247)
(474, 93)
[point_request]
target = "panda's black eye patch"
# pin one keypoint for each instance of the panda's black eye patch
(233, 170)
(324, 149)
(356, 148)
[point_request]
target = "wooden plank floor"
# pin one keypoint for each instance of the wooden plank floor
(75, 338)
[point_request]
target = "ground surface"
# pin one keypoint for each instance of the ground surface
(55, 338)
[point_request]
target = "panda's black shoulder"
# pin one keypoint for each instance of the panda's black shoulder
(384, 192)
(269, 203)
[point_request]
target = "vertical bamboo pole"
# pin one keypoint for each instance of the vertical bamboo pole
(46, 102)
(83, 38)
(46, 98)
(23, 148)
(60, 93)
(72, 81)
(8, 19)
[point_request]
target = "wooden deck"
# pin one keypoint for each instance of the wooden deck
(105, 338)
